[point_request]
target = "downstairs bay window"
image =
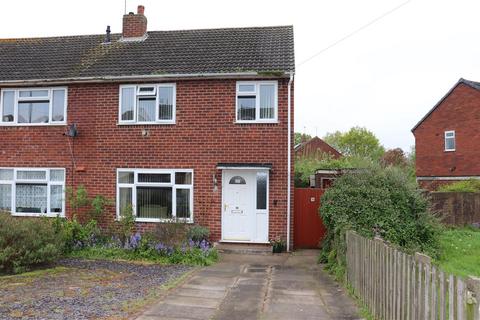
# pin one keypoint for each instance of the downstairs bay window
(32, 191)
(155, 195)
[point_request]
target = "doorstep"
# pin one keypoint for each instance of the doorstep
(243, 248)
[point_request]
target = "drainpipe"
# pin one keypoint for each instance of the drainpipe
(289, 161)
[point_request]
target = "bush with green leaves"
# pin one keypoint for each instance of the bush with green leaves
(83, 205)
(26, 243)
(307, 166)
(198, 233)
(470, 185)
(377, 201)
(76, 235)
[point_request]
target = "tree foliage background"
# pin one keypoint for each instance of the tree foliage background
(356, 142)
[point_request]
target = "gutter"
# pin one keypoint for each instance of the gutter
(151, 77)
(289, 161)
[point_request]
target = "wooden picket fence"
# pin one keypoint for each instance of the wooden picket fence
(395, 285)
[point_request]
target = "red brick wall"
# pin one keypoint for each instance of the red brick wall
(460, 112)
(204, 135)
(135, 25)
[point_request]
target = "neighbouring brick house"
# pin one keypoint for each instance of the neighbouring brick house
(315, 147)
(191, 124)
(447, 139)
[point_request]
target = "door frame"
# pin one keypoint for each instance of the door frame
(265, 213)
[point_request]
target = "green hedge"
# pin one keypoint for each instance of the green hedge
(470, 185)
(377, 201)
(26, 243)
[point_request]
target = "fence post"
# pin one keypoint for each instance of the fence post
(473, 298)
(424, 273)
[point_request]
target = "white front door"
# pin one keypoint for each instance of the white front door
(238, 212)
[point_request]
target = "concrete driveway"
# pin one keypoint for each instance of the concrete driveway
(257, 287)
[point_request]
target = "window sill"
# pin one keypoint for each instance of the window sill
(189, 221)
(449, 150)
(48, 215)
(33, 124)
(145, 123)
(257, 122)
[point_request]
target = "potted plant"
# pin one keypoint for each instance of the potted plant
(278, 245)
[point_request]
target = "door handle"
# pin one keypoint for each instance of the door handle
(225, 207)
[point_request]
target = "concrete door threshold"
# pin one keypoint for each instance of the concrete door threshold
(243, 248)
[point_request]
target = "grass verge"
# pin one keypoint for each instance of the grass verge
(460, 251)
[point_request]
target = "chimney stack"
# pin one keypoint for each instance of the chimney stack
(134, 25)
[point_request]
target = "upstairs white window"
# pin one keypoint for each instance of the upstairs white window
(32, 191)
(147, 104)
(257, 102)
(449, 140)
(39, 106)
(155, 195)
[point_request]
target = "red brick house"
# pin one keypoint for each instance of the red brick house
(191, 124)
(447, 139)
(314, 147)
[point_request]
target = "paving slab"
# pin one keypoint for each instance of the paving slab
(255, 287)
(167, 311)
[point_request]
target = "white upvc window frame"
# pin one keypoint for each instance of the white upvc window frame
(24, 99)
(171, 184)
(257, 101)
(46, 181)
(136, 88)
(452, 136)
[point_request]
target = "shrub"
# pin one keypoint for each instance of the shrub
(124, 227)
(147, 248)
(75, 235)
(305, 167)
(198, 233)
(470, 185)
(83, 205)
(377, 201)
(26, 243)
(170, 234)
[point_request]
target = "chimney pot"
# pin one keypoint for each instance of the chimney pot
(140, 9)
(107, 35)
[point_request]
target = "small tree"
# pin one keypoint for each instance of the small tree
(357, 142)
(394, 157)
(301, 137)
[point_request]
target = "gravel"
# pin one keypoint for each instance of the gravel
(84, 290)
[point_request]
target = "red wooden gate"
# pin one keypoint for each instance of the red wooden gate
(308, 226)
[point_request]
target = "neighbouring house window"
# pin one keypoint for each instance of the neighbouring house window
(155, 195)
(262, 191)
(32, 191)
(449, 140)
(33, 106)
(147, 103)
(257, 101)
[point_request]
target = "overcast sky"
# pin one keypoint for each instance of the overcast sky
(385, 77)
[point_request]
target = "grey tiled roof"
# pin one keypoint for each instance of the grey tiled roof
(261, 49)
